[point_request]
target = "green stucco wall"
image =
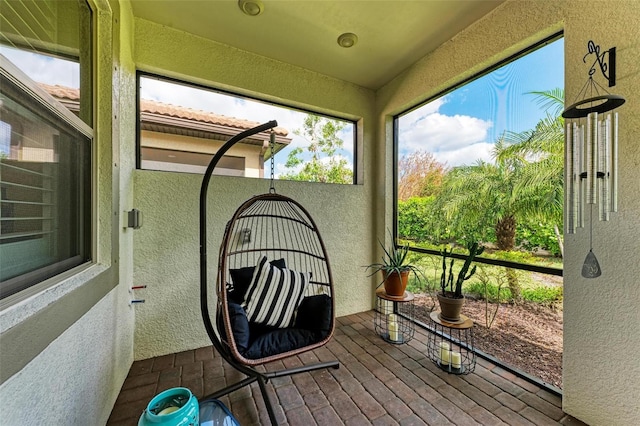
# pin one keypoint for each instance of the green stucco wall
(601, 316)
(166, 248)
(69, 344)
(601, 336)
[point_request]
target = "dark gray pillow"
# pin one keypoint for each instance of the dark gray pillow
(315, 314)
(239, 326)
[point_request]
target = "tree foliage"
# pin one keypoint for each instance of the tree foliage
(414, 222)
(324, 142)
(419, 175)
(524, 183)
(489, 201)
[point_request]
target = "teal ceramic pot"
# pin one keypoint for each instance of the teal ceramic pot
(173, 407)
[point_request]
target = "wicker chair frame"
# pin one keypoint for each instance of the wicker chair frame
(278, 227)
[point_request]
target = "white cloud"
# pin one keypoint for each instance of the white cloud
(349, 145)
(436, 132)
(44, 69)
(280, 169)
(456, 140)
(466, 155)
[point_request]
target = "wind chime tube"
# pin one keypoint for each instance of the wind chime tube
(570, 221)
(592, 158)
(576, 186)
(580, 165)
(614, 164)
(603, 161)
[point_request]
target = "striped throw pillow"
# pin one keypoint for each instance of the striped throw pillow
(274, 295)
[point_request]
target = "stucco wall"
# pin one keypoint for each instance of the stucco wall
(167, 246)
(76, 380)
(601, 316)
(81, 327)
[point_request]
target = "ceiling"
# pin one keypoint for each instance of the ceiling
(392, 35)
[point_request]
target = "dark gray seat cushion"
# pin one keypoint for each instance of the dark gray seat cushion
(313, 323)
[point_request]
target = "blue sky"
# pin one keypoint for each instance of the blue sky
(461, 127)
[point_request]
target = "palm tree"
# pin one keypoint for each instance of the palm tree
(524, 181)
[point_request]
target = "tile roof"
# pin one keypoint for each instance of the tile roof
(61, 92)
(168, 110)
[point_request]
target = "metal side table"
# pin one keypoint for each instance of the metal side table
(394, 317)
(450, 345)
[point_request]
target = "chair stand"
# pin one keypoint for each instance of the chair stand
(263, 378)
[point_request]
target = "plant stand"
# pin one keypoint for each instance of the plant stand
(450, 346)
(393, 317)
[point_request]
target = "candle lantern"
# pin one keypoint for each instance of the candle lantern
(392, 326)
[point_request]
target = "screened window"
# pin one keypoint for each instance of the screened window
(45, 141)
(484, 162)
(181, 126)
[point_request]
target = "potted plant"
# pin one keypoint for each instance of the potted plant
(451, 300)
(395, 268)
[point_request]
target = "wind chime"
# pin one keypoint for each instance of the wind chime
(591, 152)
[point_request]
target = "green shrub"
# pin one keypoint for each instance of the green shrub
(532, 290)
(516, 256)
(477, 288)
(542, 294)
(538, 294)
(421, 286)
(426, 265)
(534, 236)
(414, 220)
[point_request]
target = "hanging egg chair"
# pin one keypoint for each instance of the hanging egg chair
(274, 287)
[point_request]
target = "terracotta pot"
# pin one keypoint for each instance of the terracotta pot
(450, 307)
(395, 284)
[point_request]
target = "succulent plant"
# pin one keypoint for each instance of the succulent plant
(395, 259)
(447, 279)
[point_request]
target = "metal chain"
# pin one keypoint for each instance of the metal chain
(272, 140)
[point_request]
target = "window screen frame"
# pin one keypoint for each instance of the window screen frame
(211, 88)
(395, 124)
(59, 117)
